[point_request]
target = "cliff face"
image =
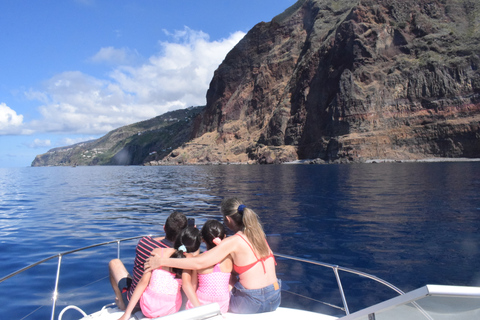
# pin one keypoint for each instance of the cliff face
(333, 80)
(347, 81)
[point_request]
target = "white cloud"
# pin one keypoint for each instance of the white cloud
(10, 121)
(38, 143)
(58, 142)
(37, 95)
(177, 77)
(72, 141)
(113, 56)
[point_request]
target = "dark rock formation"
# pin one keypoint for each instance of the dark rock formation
(335, 81)
(347, 80)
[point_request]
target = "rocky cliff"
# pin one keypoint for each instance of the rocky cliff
(134, 144)
(331, 80)
(347, 80)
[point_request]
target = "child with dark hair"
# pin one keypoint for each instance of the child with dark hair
(213, 282)
(159, 291)
(122, 282)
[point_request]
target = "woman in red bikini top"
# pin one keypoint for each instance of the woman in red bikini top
(257, 289)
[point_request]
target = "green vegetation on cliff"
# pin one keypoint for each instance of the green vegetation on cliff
(134, 144)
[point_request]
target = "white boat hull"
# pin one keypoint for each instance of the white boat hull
(212, 311)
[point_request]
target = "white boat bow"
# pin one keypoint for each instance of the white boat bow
(212, 312)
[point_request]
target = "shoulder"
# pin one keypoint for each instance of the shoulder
(239, 240)
(164, 242)
(230, 246)
(231, 243)
(144, 239)
(231, 239)
(147, 240)
(146, 244)
(151, 242)
(158, 239)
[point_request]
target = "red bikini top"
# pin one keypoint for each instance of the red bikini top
(242, 269)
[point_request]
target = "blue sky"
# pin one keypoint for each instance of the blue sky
(73, 70)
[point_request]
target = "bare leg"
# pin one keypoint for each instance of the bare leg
(117, 272)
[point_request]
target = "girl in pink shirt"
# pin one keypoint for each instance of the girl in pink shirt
(159, 290)
(213, 283)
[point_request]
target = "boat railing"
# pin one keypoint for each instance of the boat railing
(59, 256)
(335, 269)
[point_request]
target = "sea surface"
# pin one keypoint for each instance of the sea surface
(411, 224)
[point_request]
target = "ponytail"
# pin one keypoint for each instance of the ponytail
(177, 271)
(254, 232)
(247, 221)
(212, 233)
(188, 240)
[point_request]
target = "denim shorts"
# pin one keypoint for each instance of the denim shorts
(124, 285)
(255, 300)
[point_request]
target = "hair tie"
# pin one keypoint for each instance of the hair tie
(217, 241)
(241, 208)
(182, 248)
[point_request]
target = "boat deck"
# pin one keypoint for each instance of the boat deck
(212, 312)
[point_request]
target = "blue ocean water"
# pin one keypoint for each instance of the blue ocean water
(409, 223)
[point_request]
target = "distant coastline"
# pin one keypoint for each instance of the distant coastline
(315, 161)
(426, 160)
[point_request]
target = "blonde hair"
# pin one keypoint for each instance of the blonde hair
(248, 222)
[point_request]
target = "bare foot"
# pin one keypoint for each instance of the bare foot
(120, 304)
